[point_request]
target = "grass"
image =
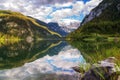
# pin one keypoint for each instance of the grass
(94, 51)
(21, 19)
(94, 30)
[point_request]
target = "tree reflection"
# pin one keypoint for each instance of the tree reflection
(16, 54)
(96, 51)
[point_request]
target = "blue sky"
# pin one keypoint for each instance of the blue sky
(52, 10)
(84, 0)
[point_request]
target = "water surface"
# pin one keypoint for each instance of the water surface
(51, 60)
(39, 60)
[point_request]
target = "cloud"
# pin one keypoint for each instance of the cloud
(59, 14)
(78, 8)
(75, 10)
(46, 2)
(90, 5)
(56, 9)
(63, 5)
(27, 8)
(2, 1)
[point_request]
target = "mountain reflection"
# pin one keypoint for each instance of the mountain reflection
(14, 55)
(48, 59)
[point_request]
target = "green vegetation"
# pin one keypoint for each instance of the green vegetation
(99, 38)
(18, 53)
(17, 25)
(95, 51)
(97, 30)
(106, 25)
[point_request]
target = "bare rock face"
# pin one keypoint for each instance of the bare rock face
(95, 12)
(101, 10)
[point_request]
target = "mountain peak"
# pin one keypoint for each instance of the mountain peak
(111, 7)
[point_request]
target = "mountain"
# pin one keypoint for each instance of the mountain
(63, 28)
(107, 10)
(16, 25)
(53, 26)
(102, 21)
(69, 25)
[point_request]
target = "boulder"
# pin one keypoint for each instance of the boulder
(100, 73)
(103, 70)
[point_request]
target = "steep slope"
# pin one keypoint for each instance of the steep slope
(107, 10)
(104, 20)
(53, 26)
(17, 25)
(63, 28)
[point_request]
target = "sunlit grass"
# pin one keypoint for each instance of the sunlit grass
(21, 19)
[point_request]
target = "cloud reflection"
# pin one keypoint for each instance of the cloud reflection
(57, 64)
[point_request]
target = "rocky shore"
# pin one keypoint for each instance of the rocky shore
(103, 70)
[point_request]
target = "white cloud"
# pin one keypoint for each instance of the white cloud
(27, 8)
(63, 5)
(38, 9)
(78, 7)
(46, 2)
(90, 5)
(67, 21)
(59, 14)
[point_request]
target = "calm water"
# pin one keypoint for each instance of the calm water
(50, 60)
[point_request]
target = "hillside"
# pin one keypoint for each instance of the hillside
(53, 26)
(17, 25)
(102, 21)
(57, 28)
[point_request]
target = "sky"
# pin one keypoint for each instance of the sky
(51, 10)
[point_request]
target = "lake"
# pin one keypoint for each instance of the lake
(51, 60)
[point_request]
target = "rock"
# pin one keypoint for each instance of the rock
(104, 70)
(110, 62)
(99, 73)
(119, 78)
